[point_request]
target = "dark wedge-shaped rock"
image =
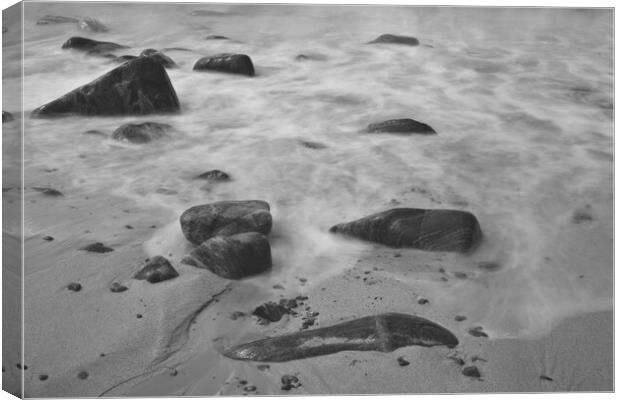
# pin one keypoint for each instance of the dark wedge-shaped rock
(214, 175)
(225, 218)
(97, 248)
(157, 269)
(230, 63)
(383, 332)
(6, 116)
(91, 25)
(136, 87)
(141, 133)
(233, 257)
(434, 230)
(396, 39)
(472, 372)
(56, 19)
(91, 46)
(405, 125)
(160, 57)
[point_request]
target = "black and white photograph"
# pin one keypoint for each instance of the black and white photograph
(299, 199)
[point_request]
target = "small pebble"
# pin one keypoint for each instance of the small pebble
(546, 378)
(460, 318)
(97, 248)
(477, 332)
(48, 238)
(402, 362)
(251, 388)
(128, 226)
(43, 377)
(472, 372)
(116, 287)
(139, 316)
(19, 366)
(263, 367)
(289, 382)
(83, 375)
(422, 301)
(74, 287)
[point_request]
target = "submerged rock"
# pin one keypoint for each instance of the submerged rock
(141, 133)
(137, 87)
(91, 46)
(233, 257)
(434, 230)
(56, 19)
(225, 218)
(92, 25)
(157, 269)
(383, 332)
(405, 125)
(231, 63)
(160, 57)
(6, 116)
(214, 175)
(396, 39)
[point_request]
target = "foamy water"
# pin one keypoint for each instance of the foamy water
(521, 100)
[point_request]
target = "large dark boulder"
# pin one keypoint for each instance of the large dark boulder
(435, 230)
(141, 133)
(157, 269)
(231, 63)
(137, 87)
(56, 19)
(91, 46)
(225, 218)
(396, 39)
(6, 116)
(233, 257)
(160, 57)
(405, 126)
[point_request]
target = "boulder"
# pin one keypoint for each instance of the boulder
(91, 46)
(230, 63)
(396, 39)
(405, 125)
(225, 218)
(136, 87)
(56, 19)
(160, 57)
(157, 269)
(434, 230)
(214, 175)
(141, 133)
(233, 257)
(91, 25)
(7, 116)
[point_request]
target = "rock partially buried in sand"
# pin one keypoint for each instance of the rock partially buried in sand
(136, 87)
(434, 230)
(157, 269)
(160, 57)
(92, 25)
(141, 133)
(404, 126)
(97, 248)
(383, 332)
(396, 39)
(7, 116)
(233, 257)
(90, 46)
(56, 19)
(231, 63)
(214, 175)
(270, 311)
(225, 218)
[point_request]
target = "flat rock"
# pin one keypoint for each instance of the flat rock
(91, 25)
(7, 116)
(405, 125)
(157, 269)
(214, 175)
(225, 218)
(231, 63)
(56, 19)
(91, 46)
(216, 37)
(383, 332)
(97, 248)
(141, 133)
(137, 87)
(233, 257)
(434, 230)
(396, 39)
(160, 57)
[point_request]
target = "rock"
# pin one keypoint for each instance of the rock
(402, 362)
(141, 133)
(405, 125)
(91, 46)
(136, 87)
(270, 311)
(216, 37)
(396, 39)
(116, 287)
(488, 265)
(231, 63)
(472, 372)
(214, 175)
(546, 378)
(83, 375)
(582, 215)
(289, 382)
(160, 57)
(457, 360)
(48, 238)
(422, 301)
(56, 19)
(460, 318)
(43, 377)
(92, 25)
(477, 332)
(383, 332)
(233, 257)
(434, 230)
(97, 248)
(74, 287)
(95, 132)
(48, 191)
(157, 269)
(7, 116)
(225, 218)
(313, 145)
(5, 29)
(235, 315)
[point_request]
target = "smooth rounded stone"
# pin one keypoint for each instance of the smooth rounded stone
(383, 332)
(7, 116)
(56, 19)
(91, 46)
(160, 57)
(396, 39)
(405, 125)
(472, 372)
(224, 218)
(231, 63)
(214, 175)
(97, 248)
(157, 269)
(141, 133)
(233, 257)
(433, 230)
(136, 87)
(91, 25)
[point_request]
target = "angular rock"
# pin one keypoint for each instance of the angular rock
(231, 63)
(56, 19)
(141, 133)
(92, 25)
(225, 218)
(383, 332)
(396, 39)
(233, 257)
(472, 372)
(405, 125)
(136, 87)
(434, 230)
(91, 46)
(270, 311)
(214, 175)
(160, 57)
(7, 116)
(157, 269)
